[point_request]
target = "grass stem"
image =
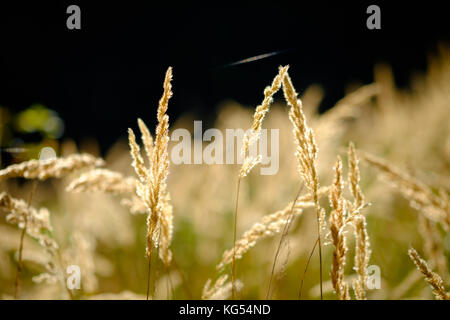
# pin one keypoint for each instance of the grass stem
(306, 269)
(233, 261)
(283, 236)
(18, 281)
(149, 258)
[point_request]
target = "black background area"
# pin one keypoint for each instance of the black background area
(102, 77)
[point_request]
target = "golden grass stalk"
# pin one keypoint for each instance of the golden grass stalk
(268, 226)
(103, 180)
(151, 187)
(252, 137)
(56, 272)
(250, 140)
(354, 177)
(35, 223)
(420, 195)
(166, 232)
(362, 251)
(221, 290)
(147, 137)
(362, 256)
(432, 245)
(306, 152)
(337, 224)
(108, 181)
(37, 220)
(433, 279)
(84, 256)
(134, 205)
(233, 256)
(50, 168)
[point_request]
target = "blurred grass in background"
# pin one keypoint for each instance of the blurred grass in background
(408, 127)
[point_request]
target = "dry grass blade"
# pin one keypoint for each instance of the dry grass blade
(37, 221)
(251, 138)
(108, 181)
(337, 224)
(22, 236)
(306, 153)
(362, 250)
(306, 269)
(420, 195)
(354, 177)
(269, 226)
(221, 290)
(433, 279)
(362, 256)
(282, 238)
(233, 258)
(433, 246)
(103, 180)
(50, 168)
(146, 138)
(151, 187)
(138, 162)
(250, 142)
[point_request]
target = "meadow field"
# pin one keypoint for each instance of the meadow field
(358, 209)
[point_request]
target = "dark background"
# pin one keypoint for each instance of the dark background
(102, 77)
